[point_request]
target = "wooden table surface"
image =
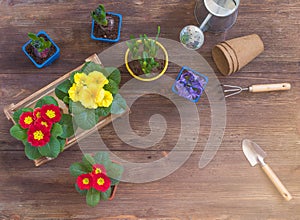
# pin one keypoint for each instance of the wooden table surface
(228, 187)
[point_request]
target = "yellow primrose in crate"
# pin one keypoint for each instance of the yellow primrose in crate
(91, 93)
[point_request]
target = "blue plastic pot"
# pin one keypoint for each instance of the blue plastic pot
(201, 76)
(106, 39)
(50, 59)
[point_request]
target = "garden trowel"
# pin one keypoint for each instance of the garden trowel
(256, 155)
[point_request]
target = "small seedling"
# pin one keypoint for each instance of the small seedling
(41, 46)
(106, 22)
(146, 55)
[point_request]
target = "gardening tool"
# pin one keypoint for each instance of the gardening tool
(256, 155)
(234, 90)
(192, 37)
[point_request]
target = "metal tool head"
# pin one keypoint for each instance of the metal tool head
(253, 152)
(232, 90)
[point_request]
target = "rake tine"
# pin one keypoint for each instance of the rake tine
(234, 89)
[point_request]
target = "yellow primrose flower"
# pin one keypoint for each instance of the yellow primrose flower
(80, 78)
(88, 96)
(107, 99)
(97, 78)
(100, 96)
(74, 92)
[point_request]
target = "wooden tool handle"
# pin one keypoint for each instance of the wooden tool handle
(277, 183)
(270, 87)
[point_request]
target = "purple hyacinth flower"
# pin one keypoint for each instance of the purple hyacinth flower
(189, 85)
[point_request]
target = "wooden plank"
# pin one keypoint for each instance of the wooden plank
(228, 188)
(188, 193)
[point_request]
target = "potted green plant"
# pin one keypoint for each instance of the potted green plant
(43, 129)
(141, 58)
(106, 26)
(41, 49)
(97, 177)
(92, 93)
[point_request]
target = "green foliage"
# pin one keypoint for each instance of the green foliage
(62, 143)
(67, 125)
(113, 171)
(32, 153)
(88, 160)
(91, 66)
(92, 197)
(51, 149)
(105, 195)
(39, 42)
(112, 87)
(19, 133)
(133, 46)
(78, 168)
(119, 105)
(84, 118)
(81, 192)
(147, 63)
(102, 158)
(61, 91)
(113, 74)
(144, 51)
(56, 130)
(99, 15)
(46, 100)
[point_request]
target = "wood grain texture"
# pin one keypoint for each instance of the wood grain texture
(228, 188)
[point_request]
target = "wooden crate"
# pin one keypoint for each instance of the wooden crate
(49, 90)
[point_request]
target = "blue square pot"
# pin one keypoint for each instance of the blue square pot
(50, 59)
(105, 39)
(205, 78)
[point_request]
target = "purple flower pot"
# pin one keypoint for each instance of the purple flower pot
(190, 84)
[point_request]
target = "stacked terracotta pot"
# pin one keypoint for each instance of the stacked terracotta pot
(232, 55)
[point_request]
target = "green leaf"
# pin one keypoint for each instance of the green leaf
(92, 197)
(114, 74)
(86, 120)
(102, 111)
(82, 192)
(76, 107)
(114, 171)
(19, 133)
(62, 89)
(46, 100)
(102, 158)
(88, 160)
(62, 143)
(119, 105)
(32, 36)
(18, 113)
(51, 149)
(112, 86)
(56, 130)
(78, 168)
(90, 67)
(105, 195)
(67, 124)
(32, 153)
(114, 182)
(66, 100)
